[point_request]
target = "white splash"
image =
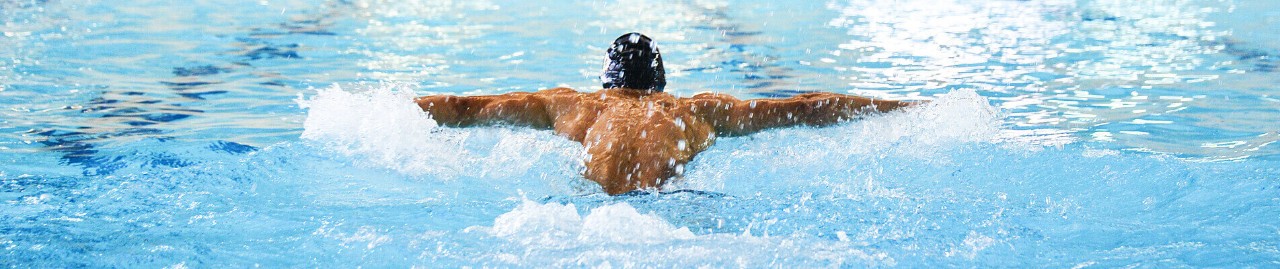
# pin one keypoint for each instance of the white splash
(554, 224)
(366, 236)
(960, 116)
(384, 127)
(972, 245)
(618, 234)
(853, 150)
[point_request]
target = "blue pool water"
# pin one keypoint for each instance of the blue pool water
(280, 134)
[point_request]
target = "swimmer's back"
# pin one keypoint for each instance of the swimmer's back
(642, 139)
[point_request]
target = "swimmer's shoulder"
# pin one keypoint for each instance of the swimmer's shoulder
(559, 90)
(710, 96)
(560, 94)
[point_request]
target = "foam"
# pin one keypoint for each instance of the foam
(532, 223)
(617, 234)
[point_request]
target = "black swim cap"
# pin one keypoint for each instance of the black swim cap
(634, 62)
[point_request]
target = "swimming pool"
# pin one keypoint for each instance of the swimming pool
(279, 134)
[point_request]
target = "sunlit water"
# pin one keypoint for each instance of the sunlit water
(280, 134)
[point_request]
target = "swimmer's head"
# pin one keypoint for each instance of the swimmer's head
(633, 62)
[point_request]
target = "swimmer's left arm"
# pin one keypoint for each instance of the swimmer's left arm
(732, 116)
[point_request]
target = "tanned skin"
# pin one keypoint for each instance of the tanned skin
(636, 136)
(639, 139)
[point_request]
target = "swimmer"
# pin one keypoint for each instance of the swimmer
(637, 136)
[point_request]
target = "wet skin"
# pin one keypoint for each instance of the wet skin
(641, 139)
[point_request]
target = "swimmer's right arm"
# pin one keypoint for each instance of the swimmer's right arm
(536, 110)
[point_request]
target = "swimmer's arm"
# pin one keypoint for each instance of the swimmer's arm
(537, 110)
(733, 117)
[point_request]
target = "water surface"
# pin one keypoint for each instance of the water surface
(279, 133)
